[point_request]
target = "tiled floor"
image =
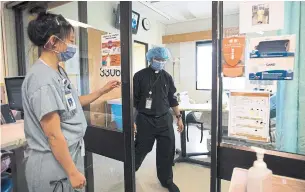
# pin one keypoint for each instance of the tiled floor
(109, 174)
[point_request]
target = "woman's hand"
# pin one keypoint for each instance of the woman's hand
(77, 180)
(110, 86)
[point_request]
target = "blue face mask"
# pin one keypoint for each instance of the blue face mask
(68, 54)
(157, 65)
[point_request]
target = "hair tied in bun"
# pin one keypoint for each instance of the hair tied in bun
(46, 25)
(38, 8)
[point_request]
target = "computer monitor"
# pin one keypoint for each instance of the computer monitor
(134, 20)
(13, 89)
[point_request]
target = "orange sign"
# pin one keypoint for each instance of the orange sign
(233, 56)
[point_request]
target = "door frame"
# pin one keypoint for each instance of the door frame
(127, 95)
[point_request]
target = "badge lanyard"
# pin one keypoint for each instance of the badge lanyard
(149, 99)
(151, 87)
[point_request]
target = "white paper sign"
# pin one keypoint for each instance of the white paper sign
(111, 50)
(249, 115)
(260, 16)
(111, 56)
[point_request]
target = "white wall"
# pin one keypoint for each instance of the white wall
(187, 53)
(201, 25)
(101, 16)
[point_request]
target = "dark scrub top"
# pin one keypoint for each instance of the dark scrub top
(161, 85)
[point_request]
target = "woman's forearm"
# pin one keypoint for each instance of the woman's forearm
(87, 99)
(51, 127)
(60, 150)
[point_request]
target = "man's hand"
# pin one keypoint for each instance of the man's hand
(135, 128)
(180, 125)
(110, 86)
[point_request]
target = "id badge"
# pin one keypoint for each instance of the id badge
(148, 103)
(70, 102)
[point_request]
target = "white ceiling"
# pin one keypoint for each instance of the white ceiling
(181, 11)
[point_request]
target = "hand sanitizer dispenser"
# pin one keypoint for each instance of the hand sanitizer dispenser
(259, 176)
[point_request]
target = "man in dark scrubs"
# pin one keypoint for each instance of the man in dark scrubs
(154, 91)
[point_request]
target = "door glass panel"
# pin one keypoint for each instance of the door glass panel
(108, 174)
(103, 59)
(104, 65)
(162, 24)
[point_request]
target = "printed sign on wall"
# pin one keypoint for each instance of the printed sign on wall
(233, 56)
(249, 115)
(111, 55)
(272, 58)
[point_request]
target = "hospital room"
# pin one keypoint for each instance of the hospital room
(152, 96)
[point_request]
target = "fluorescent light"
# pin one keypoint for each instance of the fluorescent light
(260, 32)
(155, 9)
(78, 24)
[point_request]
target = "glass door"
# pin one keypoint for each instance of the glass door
(103, 37)
(256, 100)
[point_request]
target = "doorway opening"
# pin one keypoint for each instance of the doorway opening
(139, 56)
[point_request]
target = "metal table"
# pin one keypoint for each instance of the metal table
(183, 156)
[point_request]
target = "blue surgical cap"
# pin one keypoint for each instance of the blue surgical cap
(158, 53)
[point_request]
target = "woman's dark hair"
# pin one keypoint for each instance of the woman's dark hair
(46, 25)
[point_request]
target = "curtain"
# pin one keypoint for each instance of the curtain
(290, 101)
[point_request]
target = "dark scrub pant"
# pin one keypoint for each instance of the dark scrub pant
(149, 129)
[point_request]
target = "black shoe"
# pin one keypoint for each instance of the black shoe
(172, 187)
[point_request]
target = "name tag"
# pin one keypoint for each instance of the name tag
(148, 103)
(70, 102)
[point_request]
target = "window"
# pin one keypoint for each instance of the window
(204, 70)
